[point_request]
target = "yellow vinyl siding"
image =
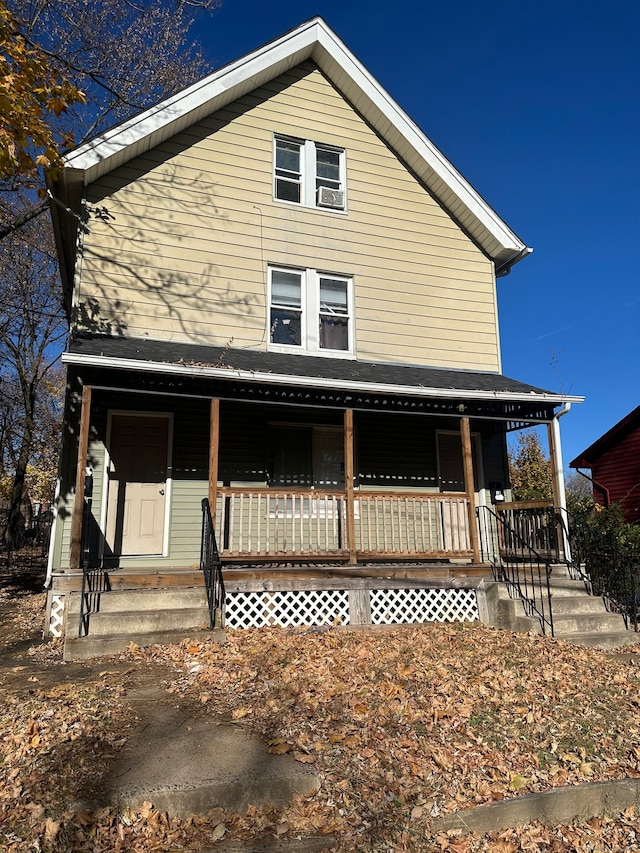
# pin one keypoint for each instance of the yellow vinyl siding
(195, 226)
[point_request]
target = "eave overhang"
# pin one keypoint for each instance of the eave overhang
(314, 41)
(208, 372)
(236, 370)
(612, 437)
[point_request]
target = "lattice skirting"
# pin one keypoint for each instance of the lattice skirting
(56, 615)
(291, 608)
(403, 606)
(298, 608)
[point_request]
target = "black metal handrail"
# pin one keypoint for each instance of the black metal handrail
(211, 566)
(514, 562)
(95, 581)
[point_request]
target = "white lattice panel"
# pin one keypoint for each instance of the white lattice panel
(56, 616)
(290, 608)
(403, 606)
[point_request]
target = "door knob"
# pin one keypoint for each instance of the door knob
(162, 491)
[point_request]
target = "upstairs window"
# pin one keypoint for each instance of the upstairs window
(288, 177)
(309, 173)
(333, 313)
(309, 310)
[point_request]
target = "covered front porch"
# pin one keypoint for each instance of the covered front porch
(306, 478)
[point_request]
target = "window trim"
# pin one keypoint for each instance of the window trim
(309, 173)
(310, 312)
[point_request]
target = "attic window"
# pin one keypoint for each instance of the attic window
(309, 173)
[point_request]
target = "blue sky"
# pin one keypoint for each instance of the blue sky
(538, 105)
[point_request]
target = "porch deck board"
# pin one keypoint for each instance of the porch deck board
(350, 582)
(300, 575)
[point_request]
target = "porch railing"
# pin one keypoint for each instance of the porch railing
(525, 571)
(313, 523)
(412, 525)
(211, 567)
(271, 522)
(535, 522)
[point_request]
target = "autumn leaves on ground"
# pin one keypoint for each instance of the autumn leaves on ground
(401, 725)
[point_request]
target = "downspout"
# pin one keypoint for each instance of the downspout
(599, 487)
(558, 474)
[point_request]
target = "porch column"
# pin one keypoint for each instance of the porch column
(348, 478)
(559, 496)
(214, 453)
(467, 457)
(81, 472)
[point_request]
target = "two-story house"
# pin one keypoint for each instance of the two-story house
(282, 298)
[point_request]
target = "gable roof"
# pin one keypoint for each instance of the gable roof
(610, 439)
(315, 41)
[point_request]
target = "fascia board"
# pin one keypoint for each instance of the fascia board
(212, 92)
(205, 372)
(387, 112)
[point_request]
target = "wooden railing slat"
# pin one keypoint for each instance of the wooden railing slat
(296, 522)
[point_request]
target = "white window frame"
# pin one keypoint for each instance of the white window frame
(308, 173)
(310, 312)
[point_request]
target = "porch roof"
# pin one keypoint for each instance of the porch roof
(294, 369)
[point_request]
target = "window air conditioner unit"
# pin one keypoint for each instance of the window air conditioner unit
(328, 197)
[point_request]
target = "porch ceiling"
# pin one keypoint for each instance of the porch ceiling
(285, 377)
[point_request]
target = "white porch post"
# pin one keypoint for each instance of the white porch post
(559, 494)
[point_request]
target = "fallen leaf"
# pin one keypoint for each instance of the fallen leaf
(517, 782)
(280, 748)
(218, 832)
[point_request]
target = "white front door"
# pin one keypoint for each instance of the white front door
(137, 484)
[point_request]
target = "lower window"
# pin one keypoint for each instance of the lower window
(310, 310)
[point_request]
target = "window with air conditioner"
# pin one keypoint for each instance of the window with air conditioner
(310, 311)
(309, 173)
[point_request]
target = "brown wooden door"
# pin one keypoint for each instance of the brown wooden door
(137, 484)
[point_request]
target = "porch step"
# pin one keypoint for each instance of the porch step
(586, 623)
(85, 648)
(142, 616)
(115, 601)
(578, 617)
(147, 621)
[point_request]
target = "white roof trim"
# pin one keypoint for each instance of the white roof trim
(311, 40)
(317, 382)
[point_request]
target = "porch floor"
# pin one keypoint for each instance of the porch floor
(237, 574)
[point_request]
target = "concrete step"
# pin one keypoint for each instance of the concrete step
(103, 624)
(577, 617)
(139, 600)
(566, 586)
(565, 604)
(588, 623)
(84, 648)
(601, 640)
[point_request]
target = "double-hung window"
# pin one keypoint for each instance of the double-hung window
(310, 310)
(309, 173)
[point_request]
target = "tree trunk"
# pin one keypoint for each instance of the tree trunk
(14, 529)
